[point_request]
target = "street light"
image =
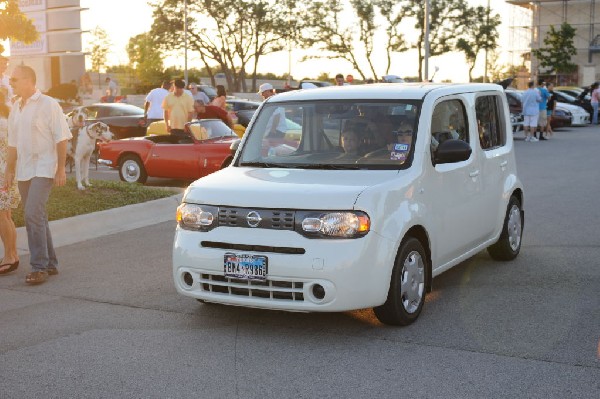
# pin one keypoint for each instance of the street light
(427, 10)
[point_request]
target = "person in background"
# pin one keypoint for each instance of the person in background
(198, 94)
(530, 103)
(111, 90)
(153, 105)
(595, 92)
(4, 81)
(37, 153)
(543, 115)
(339, 80)
(550, 106)
(349, 141)
(9, 199)
(277, 125)
(178, 109)
(204, 111)
(220, 99)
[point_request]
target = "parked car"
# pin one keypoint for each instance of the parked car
(205, 150)
(296, 223)
(562, 116)
(579, 96)
(210, 91)
(241, 111)
(124, 120)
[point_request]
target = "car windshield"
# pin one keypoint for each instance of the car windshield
(333, 135)
(209, 129)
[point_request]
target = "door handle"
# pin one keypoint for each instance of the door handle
(503, 164)
(474, 174)
(154, 156)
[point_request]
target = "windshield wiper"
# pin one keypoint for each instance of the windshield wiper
(264, 164)
(327, 166)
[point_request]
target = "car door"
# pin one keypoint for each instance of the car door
(495, 150)
(455, 188)
(177, 161)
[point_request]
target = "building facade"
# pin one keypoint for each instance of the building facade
(530, 22)
(57, 55)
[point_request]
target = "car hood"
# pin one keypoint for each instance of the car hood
(285, 188)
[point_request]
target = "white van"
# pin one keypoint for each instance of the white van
(353, 197)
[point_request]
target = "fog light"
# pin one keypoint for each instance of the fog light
(188, 279)
(318, 291)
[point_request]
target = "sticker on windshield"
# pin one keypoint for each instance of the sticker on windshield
(398, 156)
(401, 147)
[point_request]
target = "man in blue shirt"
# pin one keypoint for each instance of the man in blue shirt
(530, 102)
(543, 115)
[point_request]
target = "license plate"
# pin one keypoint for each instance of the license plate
(245, 266)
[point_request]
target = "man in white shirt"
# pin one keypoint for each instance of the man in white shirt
(111, 90)
(4, 82)
(198, 94)
(37, 151)
(277, 125)
(153, 106)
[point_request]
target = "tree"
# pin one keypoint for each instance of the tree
(479, 32)
(145, 58)
(228, 33)
(14, 25)
(100, 49)
(560, 47)
(445, 18)
(327, 31)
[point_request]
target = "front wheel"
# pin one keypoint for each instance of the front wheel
(131, 170)
(406, 295)
(509, 243)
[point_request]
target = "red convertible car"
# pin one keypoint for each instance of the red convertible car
(206, 149)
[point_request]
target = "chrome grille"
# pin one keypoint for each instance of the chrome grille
(269, 289)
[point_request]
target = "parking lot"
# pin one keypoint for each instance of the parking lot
(111, 324)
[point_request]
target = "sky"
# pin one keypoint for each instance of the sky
(122, 19)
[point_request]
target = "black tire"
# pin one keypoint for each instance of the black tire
(131, 170)
(404, 306)
(509, 243)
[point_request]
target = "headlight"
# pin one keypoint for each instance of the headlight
(333, 224)
(197, 217)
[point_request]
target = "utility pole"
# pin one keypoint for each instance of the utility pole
(185, 43)
(487, 18)
(426, 67)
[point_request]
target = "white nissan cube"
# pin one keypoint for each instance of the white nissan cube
(352, 197)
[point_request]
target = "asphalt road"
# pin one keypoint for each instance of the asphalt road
(111, 324)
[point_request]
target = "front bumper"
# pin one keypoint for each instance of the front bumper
(350, 273)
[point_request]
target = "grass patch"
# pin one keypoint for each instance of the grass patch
(68, 201)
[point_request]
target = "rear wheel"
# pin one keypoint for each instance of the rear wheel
(509, 243)
(131, 170)
(406, 295)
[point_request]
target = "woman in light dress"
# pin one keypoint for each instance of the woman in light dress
(9, 199)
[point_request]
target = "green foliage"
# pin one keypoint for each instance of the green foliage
(14, 24)
(479, 33)
(67, 201)
(446, 17)
(99, 49)
(558, 50)
(146, 58)
(228, 33)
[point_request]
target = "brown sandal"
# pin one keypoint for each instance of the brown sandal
(34, 278)
(10, 267)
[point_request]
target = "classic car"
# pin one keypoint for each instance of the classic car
(124, 120)
(205, 150)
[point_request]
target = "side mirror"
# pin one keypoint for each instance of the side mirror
(450, 151)
(234, 147)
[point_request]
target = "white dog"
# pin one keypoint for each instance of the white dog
(76, 118)
(81, 147)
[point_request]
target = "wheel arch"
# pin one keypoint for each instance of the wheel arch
(420, 234)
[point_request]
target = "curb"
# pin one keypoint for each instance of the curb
(97, 224)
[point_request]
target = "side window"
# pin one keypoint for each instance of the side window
(448, 121)
(490, 124)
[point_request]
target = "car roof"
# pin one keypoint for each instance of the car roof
(382, 91)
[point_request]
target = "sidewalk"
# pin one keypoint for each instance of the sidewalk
(92, 225)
